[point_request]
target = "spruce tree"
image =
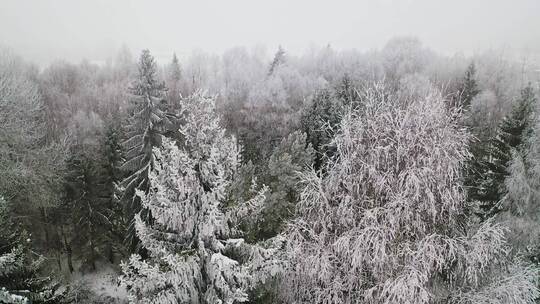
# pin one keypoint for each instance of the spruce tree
(87, 209)
(279, 59)
(469, 88)
(195, 253)
(20, 278)
(174, 92)
(521, 201)
(386, 223)
(319, 121)
(511, 133)
(292, 155)
(146, 123)
(346, 91)
(476, 168)
(111, 162)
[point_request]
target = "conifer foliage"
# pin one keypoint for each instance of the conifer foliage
(174, 76)
(469, 87)
(88, 209)
(20, 281)
(512, 133)
(145, 126)
(386, 224)
(279, 59)
(319, 121)
(522, 194)
(147, 122)
(195, 257)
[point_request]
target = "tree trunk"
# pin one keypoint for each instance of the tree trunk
(69, 253)
(93, 253)
(110, 252)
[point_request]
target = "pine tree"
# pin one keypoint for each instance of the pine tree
(386, 223)
(145, 126)
(20, 281)
(194, 255)
(512, 131)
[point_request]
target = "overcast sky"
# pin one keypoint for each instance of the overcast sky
(45, 30)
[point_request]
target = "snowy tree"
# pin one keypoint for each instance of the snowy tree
(20, 282)
(279, 59)
(292, 155)
(469, 87)
(112, 175)
(147, 122)
(346, 91)
(174, 71)
(319, 121)
(386, 224)
(522, 195)
(270, 91)
(124, 64)
(240, 71)
(512, 132)
(174, 76)
(196, 255)
(30, 162)
(88, 209)
(404, 55)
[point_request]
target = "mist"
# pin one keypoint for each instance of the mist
(270, 152)
(45, 31)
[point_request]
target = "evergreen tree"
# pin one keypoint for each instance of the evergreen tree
(145, 126)
(489, 188)
(386, 223)
(319, 121)
(479, 147)
(292, 155)
(87, 209)
(194, 255)
(279, 59)
(175, 72)
(20, 280)
(31, 163)
(174, 76)
(346, 91)
(521, 202)
(112, 161)
(469, 88)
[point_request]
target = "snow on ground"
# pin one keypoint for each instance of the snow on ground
(103, 284)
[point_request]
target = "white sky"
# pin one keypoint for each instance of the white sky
(45, 30)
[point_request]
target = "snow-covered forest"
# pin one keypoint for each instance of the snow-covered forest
(398, 175)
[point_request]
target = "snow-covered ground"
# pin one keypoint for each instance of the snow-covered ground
(102, 285)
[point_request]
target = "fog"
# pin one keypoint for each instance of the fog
(270, 152)
(44, 31)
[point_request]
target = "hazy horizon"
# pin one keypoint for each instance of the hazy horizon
(45, 31)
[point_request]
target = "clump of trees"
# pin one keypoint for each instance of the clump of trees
(20, 266)
(336, 176)
(387, 223)
(196, 255)
(147, 121)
